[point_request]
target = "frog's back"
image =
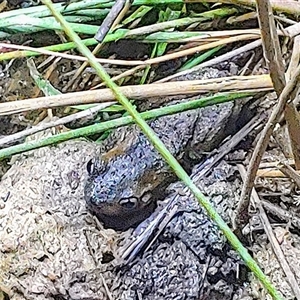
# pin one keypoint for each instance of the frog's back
(130, 177)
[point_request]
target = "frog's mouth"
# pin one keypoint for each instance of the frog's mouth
(123, 214)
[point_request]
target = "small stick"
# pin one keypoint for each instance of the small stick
(282, 214)
(290, 172)
(271, 45)
(110, 18)
(43, 126)
(215, 60)
(106, 288)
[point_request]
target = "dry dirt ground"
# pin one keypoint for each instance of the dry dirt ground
(52, 248)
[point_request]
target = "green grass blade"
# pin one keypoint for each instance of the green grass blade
(173, 163)
(101, 127)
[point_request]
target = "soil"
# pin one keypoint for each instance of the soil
(51, 246)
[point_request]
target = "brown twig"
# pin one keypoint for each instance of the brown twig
(274, 59)
(271, 45)
(113, 14)
(242, 212)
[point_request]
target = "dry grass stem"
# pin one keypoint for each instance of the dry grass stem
(272, 173)
(291, 173)
(271, 45)
(215, 60)
(282, 214)
(235, 83)
(70, 56)
(54, 123)
(294, 58)
(292, 118)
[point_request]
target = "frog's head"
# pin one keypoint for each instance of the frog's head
(120, 193)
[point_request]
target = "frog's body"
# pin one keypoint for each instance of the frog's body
(122, 193)
(190, 259)
(129, 178)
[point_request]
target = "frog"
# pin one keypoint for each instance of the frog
(128, 178)
(125, 182)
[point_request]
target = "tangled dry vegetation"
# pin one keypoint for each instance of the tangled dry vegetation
(52, 112)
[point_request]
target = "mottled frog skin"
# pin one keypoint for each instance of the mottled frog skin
(128, 178)
(122, 185)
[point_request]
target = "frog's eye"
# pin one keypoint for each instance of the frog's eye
(95, 166)
(129, 203)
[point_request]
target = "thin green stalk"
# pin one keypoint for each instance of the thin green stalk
(22, 23)
(288, 7)
(28, 24)
(42, 11)
(141, 32)
(199, 59)
(118, 34)
(139, 13)
(172, 162)
(148, 68)
(98, 128)
(160, 48)
(174, 37)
